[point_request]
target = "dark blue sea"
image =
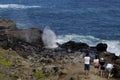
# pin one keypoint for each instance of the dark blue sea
(89, 21)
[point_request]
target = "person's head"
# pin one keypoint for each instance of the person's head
(96, 57)
(87, 54)
(102, 59)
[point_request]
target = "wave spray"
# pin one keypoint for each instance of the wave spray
(49, 38)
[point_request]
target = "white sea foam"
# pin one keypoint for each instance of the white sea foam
(17, 6)
(77, 38)
(113, 45)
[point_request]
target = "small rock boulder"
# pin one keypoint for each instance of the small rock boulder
(74, 46)
(7, 24)
(101, 47)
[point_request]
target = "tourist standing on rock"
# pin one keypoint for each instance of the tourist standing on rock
(87, 64)
(109, 68)
(96, 64)
(102, 66)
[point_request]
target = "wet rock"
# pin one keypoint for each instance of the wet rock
(101, 47)
(74, 46)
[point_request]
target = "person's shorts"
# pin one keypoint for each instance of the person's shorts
(96, 66)
(102, 68)
(109, 69)
(87, 67)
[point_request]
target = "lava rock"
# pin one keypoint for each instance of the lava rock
(101, 47)
(74, 46)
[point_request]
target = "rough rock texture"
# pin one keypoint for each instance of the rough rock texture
(101, 47)
(7, 24)
(24, 41)
(28, 42)
(74, 46)
(111, 58)
(28, 35)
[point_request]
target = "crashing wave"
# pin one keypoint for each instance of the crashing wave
(77, 38)
(17, 6)
(113, 45)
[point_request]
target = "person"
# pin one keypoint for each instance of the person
(96, 64)
(114, 70)
(109, 68)
(87, 64)
(102, 66)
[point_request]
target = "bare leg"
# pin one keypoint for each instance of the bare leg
(85, 72)
(109, 75)
(88, 72)
(101, 73)
(95, 71)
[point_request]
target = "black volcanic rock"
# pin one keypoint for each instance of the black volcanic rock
(101, 47)
(74, 46)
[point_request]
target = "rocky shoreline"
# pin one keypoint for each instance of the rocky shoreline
(28, 44)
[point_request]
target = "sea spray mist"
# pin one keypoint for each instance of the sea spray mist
(49, 38)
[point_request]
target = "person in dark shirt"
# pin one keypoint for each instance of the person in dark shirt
(102, 66)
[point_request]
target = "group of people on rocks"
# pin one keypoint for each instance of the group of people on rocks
(101, 67)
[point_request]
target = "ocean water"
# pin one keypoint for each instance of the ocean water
(89, 21)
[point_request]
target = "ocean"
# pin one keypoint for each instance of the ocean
(88, 21)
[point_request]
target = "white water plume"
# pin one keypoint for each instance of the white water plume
(49, 38)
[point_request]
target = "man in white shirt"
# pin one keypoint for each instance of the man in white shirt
(87, 64)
